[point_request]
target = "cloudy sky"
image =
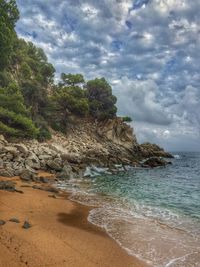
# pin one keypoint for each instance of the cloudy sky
(149, 50)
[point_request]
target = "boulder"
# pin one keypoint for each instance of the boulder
(1, 164)
(6, 172)
(27, 175)
(55, 164)
(15, 220)
(22, 148)
(26, 225)
(3, 140)
(7, 185)
(12, 150)
(32, 164)
(153, 150)
(71, 157)
(66, 173)
(2, 222)
(154, 162)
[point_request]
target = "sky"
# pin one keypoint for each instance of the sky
(148, 50)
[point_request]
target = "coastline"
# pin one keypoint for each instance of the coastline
(60, 234)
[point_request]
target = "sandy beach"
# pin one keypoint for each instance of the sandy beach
(60, 234)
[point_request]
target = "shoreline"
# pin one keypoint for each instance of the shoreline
(60, 234)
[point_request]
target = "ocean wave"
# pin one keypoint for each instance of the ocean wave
(176, 156)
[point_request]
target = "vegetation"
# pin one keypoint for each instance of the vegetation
(127, 119)
(101, 100)
(14, 120)
(8, 18)
(30, 102)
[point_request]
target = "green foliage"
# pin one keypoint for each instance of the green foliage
(23, 125)
(34, 75)
(67, 101)
(44, 133)
(9, 14)
(72, 79)
(29, 100)
(127, 119)
(14, 115)
(101, 100)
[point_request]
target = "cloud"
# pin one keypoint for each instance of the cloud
(148, 50)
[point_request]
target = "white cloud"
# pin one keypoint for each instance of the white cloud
(149, 54)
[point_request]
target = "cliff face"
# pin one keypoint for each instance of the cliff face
(118, 132)
(106, 143)
(87, 142)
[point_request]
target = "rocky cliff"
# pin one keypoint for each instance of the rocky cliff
(86, 142)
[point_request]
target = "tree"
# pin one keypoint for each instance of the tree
(9, 15)
(14, 116)
(101, 100)
(127, 119)
(72, 79)
(29, 66)
(67, 101)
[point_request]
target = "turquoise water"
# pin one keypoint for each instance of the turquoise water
(152, 213)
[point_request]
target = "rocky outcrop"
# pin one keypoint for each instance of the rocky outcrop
(152, 150)
(118, 132)
(155, 162)
(103, 144)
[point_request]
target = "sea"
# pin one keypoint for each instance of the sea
(154, 214)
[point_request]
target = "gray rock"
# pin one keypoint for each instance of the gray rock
(15, 220)
(3, 140)
(1, 164)
(32, 164)
(44, 157)
(66, 173)
(71, 157)
(26, 225)
(2, 222)
(154, 162)
(22, 148)
(6, 172)
(9, 156)
(7, 185)
(48, 189)
(26, 175)
(54, 165)
(12, 150)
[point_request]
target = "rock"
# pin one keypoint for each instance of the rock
(32, 164)
(19, 191)
(7, 185)
(154, 162)
(1, 164)
(9, 156)
(22, 148)
(54, 164)
(26, 175)
(44, 157)
(12, 150)
(71, 157)
(15, 220)
(53, 196)
(6, 173)
(44, 180)
(66, 173)
(3, 140)
(48, 189)
(2, 222)
(26, 225)
(153, 150)
(117, 131)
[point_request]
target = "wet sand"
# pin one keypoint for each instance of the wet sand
(60, 235)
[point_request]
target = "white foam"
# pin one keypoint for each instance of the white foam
(177, 156)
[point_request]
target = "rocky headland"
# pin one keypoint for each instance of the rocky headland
(106, 144)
